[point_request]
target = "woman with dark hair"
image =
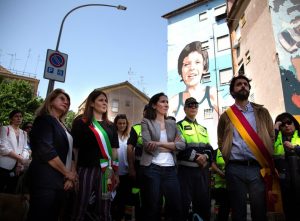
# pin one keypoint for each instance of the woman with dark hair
(96, 144)
(13, 152)
(287, 162)
(161, 139)
(51, 172)
(123, 194)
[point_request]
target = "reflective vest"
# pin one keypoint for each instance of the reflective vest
(138, 130)
(219, 181)
(278, 146)
(193, 133)
(139, 144)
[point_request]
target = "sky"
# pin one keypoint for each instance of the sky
(104, 45)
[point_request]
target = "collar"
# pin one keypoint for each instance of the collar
(190, 121)
(248, 107)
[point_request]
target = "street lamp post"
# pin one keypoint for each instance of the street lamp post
(119, 7)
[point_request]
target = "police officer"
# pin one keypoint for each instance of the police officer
(219, 191)
(287, 161)
(193, 163)
(134, 153)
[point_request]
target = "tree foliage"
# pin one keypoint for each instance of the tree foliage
(17, 94)
(69, 119)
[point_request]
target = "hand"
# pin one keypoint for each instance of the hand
(117, 181)
(19, 169)
(68, 185)
(177, 139)
(151, 146)
(132, 173)
(288, 145)
(201, 160)
(277, 125)
(71, 175)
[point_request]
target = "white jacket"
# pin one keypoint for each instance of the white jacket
(9, 143)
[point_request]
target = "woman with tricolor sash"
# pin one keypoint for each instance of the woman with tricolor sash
(96, 143)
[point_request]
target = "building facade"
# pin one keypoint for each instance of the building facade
(265, 38)
(5, 74)
(199, 26)
(123, 98)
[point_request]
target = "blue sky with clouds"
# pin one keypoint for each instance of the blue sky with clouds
(104, 45)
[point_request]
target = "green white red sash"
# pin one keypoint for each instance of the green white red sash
(106, 163)
(261, 154)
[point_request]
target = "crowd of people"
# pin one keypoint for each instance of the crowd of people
(156, 170)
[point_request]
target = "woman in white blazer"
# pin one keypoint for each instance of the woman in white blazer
(161, 139)
(13, 153)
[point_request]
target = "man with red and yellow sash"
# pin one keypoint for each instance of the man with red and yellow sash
(245, 138)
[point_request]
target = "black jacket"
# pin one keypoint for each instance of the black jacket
(48, 140)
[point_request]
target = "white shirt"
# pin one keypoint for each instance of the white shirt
(163, 159)
(122, 156)
(9, 143)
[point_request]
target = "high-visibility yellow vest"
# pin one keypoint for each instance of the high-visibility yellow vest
(219, 181)
(138, 129)
(278, 146)
(193, 133)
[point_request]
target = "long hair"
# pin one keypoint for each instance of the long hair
(281, 117)
(45, 108)
(189, 48)
(88, 109)
(150, 112)
(122, 117)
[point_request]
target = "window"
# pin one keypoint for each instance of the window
(115, 106)
(223, 42)
(203, 16)
(247, 55)
(225, 76)
(238, 33)
(208, 113)
(224, 108)
(243, 20)
(220, 12)
(204, 45)
(205, 77)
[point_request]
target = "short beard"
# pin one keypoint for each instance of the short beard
(241, 96)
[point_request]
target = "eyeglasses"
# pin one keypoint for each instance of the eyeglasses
(192, 105)
(288, 122)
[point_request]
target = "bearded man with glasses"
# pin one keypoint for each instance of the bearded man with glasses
(193, 164)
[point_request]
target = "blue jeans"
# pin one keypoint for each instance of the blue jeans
(243, 179)
(160, 181)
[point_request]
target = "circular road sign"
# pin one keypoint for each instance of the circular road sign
(57, 60)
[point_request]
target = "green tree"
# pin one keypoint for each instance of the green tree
(17, 94)
(69, 119)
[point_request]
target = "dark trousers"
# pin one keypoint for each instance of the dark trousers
(242, 180)
(8, 181)
(45, 204)
(157, 180)
(195, 189)
(222, 200)
(122, 198)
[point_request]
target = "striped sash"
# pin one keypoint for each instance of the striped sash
(261, 154)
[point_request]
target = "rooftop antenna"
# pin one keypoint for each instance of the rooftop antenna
(130, 75)
(27, 60)
(11, 60)
(37, 64)
(15, 55)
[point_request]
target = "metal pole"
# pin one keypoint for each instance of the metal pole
(119, 7)
(215, 59)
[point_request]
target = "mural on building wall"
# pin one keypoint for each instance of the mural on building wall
(192, 71)
(286, 25)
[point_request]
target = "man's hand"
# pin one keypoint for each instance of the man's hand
(201, 160)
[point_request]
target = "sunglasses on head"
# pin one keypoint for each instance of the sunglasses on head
(288, 122)
(192, 105)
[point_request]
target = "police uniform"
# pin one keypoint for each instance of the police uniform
(135, 139)
(287, 163)
(194, 181)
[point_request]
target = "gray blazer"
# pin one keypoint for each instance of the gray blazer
(151, 132)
